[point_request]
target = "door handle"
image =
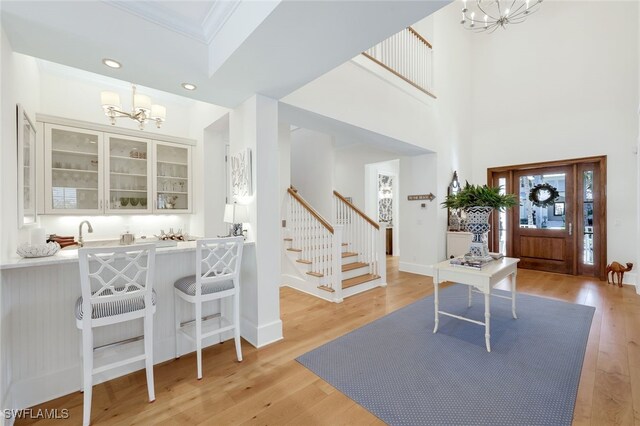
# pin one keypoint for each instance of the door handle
(570, 228)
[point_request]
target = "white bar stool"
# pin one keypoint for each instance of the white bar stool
(117, 286)
(220, 259)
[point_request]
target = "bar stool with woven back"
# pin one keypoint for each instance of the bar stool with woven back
(217, 277)
(117, 286)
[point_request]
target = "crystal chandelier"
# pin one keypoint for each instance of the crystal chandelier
(488, 15)
(141, 109)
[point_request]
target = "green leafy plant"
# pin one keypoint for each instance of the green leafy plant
(480, 196)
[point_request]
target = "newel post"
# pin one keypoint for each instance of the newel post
(337, 263)
(381, 256)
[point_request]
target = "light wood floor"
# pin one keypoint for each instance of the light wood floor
(270, 388)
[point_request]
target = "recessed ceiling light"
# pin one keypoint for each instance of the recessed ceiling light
(111, 63)
(188, 86)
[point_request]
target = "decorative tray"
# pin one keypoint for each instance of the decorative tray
(38, 250)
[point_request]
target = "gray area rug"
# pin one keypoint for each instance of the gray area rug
(404, 374)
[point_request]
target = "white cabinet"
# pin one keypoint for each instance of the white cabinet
(458, 243)
(128, 176)
(73, 171)
(172, 178)
(93, 172)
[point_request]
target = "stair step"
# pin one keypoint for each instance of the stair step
(295, 249)
(345, 244)
(349, 254)
(325, 288)
(359, 280)
(355, 265)
(305, 261)
(315, 274)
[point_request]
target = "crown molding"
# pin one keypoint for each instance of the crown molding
(218, 15)
(158, 15)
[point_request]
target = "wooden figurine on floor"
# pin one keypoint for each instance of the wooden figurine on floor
(619, 270)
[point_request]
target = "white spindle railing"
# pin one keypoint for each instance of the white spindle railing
(318, 242)
(408, 55)
(362, 234)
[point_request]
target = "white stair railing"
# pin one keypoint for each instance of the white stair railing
(318, 243)
(409, 56)
(363, 235)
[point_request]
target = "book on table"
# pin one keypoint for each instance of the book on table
(462, 263)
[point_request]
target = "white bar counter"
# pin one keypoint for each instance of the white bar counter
(40, 341)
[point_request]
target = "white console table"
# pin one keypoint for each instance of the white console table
(483, 280)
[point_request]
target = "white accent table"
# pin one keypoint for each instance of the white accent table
(483, 280)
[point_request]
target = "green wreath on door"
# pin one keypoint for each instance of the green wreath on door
(543, 195)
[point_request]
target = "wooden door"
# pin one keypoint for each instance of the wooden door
(544, 233)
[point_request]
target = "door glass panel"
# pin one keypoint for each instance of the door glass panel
(502, 220)
(74, 170)
(549, 212)
(173, 177)
(588, 185)
(128, 174)
(587, 209)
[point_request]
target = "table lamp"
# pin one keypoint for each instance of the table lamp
(236, 215)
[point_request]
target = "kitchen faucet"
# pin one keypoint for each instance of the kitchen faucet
(90, 229)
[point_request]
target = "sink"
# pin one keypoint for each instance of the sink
(105, 243)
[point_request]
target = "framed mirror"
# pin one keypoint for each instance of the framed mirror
(26, 132)
(454, 216)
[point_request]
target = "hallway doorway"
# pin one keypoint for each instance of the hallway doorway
(560, 222)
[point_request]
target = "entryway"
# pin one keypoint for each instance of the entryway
(560, 224)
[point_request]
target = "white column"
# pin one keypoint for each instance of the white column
(254, 125)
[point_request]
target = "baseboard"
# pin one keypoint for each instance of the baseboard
(631, 278)
(315, 291)
(288, 277)
(416, 268)
(263, 335)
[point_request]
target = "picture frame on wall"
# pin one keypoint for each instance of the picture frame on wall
(26, 177)
(558, 209)
(241, 174)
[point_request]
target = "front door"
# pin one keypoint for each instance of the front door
(543, 235)
(560, 224)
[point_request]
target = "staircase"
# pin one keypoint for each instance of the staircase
(333, 261)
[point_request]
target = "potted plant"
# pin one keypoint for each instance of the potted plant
(478, 201)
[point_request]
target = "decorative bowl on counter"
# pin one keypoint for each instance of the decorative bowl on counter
(38, 250)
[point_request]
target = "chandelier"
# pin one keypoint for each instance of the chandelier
(141, 109)
(488, 15)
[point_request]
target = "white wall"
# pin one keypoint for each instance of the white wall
(312, 164)
(557, 87)
(418, 241)
(356, 96)
(20, 84)
(254, 125)
(213, 193)
(349, 170)
(19, 81)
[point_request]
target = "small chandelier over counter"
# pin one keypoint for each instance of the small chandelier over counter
(488, 15)
(141, 109)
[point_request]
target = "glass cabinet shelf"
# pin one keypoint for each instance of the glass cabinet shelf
(93, 172)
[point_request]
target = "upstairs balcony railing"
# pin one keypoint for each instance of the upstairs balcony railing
(409, 56)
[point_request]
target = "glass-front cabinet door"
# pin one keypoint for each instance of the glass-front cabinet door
(172, 180)
(128, 175)
(73, 170)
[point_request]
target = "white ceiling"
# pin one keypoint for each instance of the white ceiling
(272, 50)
